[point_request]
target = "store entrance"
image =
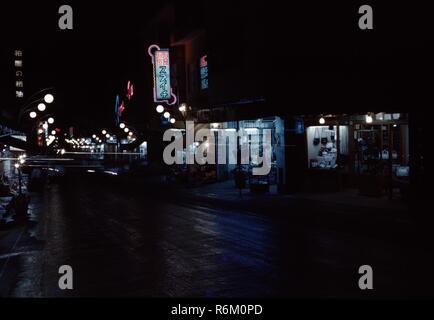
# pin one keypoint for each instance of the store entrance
(367, 153)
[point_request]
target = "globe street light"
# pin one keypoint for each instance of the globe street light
(32, 100)
(172, 120)
(122, 125)
(41, 107)
(33, 114)
(166, 115)
(48, 98)
(45, 125)
(104, 132)
(126, 129)
(50, 120)
(160, 108)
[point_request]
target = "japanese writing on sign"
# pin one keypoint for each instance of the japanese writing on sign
(162, 74)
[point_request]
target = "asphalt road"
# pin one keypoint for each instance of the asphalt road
(139, 240)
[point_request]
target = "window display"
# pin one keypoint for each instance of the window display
(322, 146)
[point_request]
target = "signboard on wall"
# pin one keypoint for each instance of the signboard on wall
(162, 75)
(203, 72)
(163, 92)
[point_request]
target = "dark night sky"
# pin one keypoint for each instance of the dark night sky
(87, 65)
(312, 41)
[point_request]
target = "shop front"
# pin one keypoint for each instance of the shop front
(230, 138)
(251, 132)
(370, 152)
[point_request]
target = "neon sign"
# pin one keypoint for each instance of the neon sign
(130, 90)
(161, 68)
(120, 104)
(203, 72)
(117, 113)
(162, 74)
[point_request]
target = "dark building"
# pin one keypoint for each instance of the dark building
(330, 81)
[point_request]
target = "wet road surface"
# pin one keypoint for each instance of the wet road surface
(126, 240)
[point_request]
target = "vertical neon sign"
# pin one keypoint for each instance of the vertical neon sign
(162, 74)
(203, 72)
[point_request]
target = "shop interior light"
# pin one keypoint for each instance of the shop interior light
(182, 107)
(369, 118)
(45, 125)
(321, 120)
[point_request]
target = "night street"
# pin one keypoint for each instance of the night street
(143, 244)
(214, 159)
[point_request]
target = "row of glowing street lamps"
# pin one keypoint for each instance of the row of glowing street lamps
(106, 134)
(160, 109)
(84, 143)
(48, 98)
(47, 119)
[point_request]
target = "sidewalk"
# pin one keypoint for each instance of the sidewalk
(339, 210)
(226, 191)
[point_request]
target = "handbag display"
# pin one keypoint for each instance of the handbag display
(316, 138)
